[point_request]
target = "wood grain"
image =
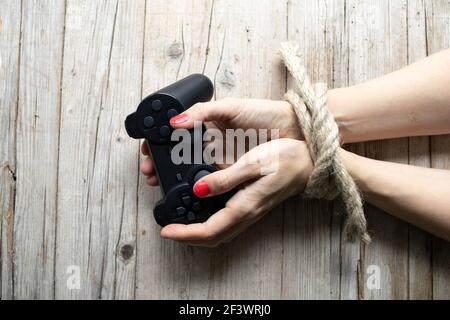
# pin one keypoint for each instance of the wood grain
(311, 264)
(176, 41)
(10, 26)
(37, 135)
(245, 49)
(70, 191)
(97, 204)
(373, 53)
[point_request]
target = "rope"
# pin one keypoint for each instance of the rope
(329, 178)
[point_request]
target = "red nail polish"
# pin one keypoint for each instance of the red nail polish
(182, 118)
(201, 189)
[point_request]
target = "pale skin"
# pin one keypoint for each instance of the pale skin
(413, 101)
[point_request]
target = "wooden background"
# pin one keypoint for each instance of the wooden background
(70, 190)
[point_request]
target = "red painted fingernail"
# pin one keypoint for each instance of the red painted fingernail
(182, 118)
(201, 189)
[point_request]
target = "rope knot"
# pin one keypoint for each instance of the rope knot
(329, 178)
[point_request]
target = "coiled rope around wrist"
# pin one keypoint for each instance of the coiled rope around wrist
(329, 178)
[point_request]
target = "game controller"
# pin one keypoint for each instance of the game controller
(151, 122)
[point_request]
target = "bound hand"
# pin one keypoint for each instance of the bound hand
(233, 114)
(265, 176)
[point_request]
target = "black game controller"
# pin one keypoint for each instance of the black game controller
(151, 121)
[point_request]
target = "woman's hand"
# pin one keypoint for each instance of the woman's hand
(243, 114)
(233, 114)
(266, 176)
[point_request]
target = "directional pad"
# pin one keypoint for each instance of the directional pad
(197, 206)
(186, 200)
(191, 216)
(181, 211)
(186, 208)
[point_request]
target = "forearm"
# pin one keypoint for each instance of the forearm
(413, 101)
(420, 196)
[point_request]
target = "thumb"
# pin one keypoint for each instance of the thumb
(225, 180)
(225, 109)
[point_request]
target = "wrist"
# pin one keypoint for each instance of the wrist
(301, 166)
(339, 104)
(292, 128)
(337, 107)
(357, 168)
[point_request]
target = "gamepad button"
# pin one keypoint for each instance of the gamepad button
(186, 200)
(181, 211)
(149, 122)
(191, 216)
(164, 131)
(201, 174)
(197, 206)
(157, 105)
(171, 113)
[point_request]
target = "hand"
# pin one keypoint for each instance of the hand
(267, 175)
(233, 114)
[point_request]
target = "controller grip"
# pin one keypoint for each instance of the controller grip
(190, 90)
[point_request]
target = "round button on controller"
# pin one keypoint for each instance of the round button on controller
(157, 105)
(171, 113)
(201, 174)
(164, 131)
(149, 122)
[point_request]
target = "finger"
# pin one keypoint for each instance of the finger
(144, 149)
(225, 109)
(152, 181)
(209, 231)
(147, 167)
(235, 230)
(232, 232)
(242, 227)
(226, 179)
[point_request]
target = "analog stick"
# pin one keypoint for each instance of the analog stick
(200, 175)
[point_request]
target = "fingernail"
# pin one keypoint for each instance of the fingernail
(182, 118)
(201, 189)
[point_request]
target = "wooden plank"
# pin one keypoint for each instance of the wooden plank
(97, 205)
(438, 38)
(243, 60)
(120, 192)
(176, 40)
(10, 24)
(311, 264)
(378, 45)
(86, 205)
(37, 148)
(350, 252)
(420, 247)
